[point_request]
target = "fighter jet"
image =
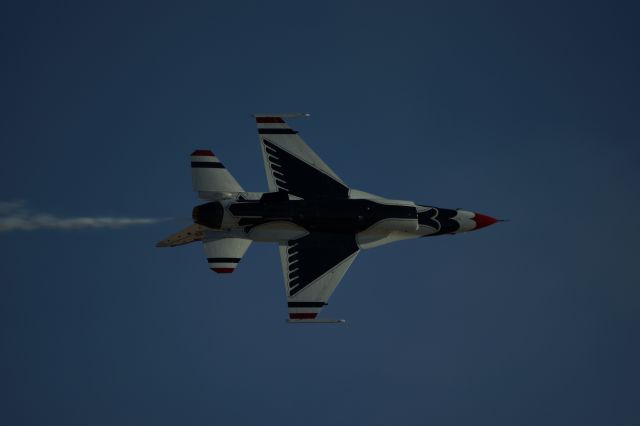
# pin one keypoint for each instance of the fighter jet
(318, 221)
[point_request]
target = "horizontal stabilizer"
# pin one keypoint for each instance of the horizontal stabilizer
(224, 254)
(209, 176)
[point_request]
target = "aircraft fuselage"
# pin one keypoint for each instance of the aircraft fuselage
(372, 219)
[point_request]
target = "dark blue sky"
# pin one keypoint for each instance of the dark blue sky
(524, 111)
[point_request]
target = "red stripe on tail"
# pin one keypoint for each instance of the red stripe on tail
(223, 270)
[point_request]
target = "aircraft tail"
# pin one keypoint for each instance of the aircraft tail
(210, 178)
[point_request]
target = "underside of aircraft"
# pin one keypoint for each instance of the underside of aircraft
(318, 221)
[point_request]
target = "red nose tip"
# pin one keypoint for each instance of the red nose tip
(483, 220)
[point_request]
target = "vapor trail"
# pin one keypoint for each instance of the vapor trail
(14, 216)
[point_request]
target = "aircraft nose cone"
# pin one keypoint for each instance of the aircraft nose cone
(483, 220)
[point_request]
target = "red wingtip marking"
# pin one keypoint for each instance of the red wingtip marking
(483, 220)
(269, 120)
(203, 153)
(223, 270)
(302, 315)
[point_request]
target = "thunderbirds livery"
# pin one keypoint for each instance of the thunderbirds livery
(318, 221)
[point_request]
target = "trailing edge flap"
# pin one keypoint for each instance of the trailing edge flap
(313, 267)
(188, 235)
(292, 166)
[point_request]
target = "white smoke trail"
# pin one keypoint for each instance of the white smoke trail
(14, 216)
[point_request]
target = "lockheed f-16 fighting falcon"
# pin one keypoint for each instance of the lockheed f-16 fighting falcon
(318, 221)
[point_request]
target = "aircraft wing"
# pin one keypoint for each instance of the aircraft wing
(292, 166)
(313, 267)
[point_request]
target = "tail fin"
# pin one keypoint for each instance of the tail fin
(210, 178)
